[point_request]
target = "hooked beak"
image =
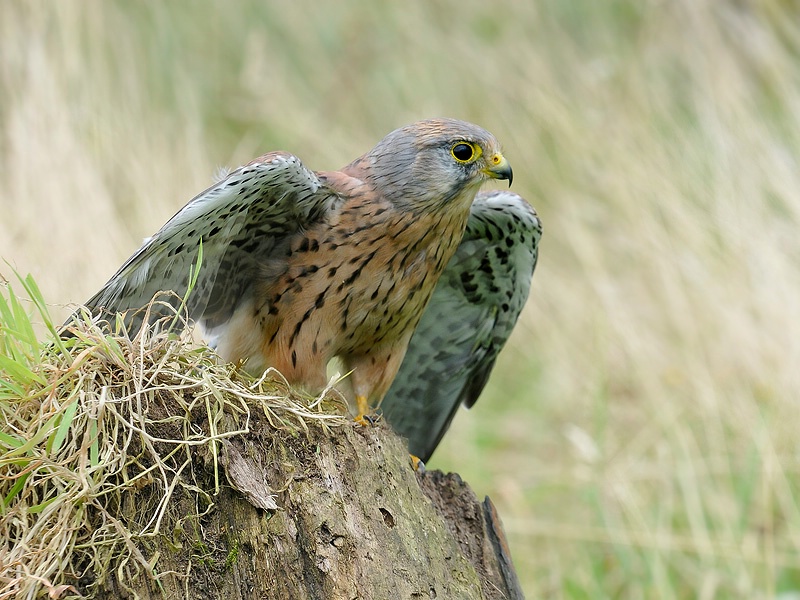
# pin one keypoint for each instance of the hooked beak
(499, 168)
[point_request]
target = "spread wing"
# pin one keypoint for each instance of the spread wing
(244, 222)
(470, 316)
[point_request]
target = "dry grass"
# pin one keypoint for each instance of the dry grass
(91, 421)
(640, 438)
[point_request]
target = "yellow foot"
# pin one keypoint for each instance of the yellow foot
(364, 420)
(418, 465)
(364, 417)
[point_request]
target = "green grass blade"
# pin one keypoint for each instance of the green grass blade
(14, 490)
(10, 441)
(9, 388)
(18, 373)
(21, 322)
(63, 427)
(35, 294)
(38, 508)
(94, 446)
(41, 433)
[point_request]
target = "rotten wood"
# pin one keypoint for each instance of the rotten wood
(353, 520)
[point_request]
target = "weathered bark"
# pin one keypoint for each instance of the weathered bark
(353, 521)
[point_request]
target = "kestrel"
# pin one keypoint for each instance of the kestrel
(299, 267)
(470, 316)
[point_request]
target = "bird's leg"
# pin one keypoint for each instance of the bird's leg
(363, 408)
(372, 375)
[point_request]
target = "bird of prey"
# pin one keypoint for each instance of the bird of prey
(470, 316)
(299, 266)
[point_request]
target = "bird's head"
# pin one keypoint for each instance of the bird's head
(433, 163)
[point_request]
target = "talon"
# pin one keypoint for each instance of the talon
(364, 418)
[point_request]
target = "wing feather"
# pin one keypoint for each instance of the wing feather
(470, 316)
(241, 221)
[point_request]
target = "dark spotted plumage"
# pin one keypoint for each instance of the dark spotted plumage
(470, 316)
(299, 267)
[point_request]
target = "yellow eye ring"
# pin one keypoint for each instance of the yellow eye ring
(465, 152)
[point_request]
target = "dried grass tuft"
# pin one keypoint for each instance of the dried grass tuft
(88, 421)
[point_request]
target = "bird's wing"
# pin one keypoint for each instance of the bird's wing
(243, 222)
(470, 316)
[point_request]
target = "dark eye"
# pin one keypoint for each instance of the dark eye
(463, 151)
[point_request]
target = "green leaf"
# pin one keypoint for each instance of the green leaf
(15, 489)
(94, 447)
(63, 427)
(35, 294)
(37, 508)
(15, 390)
(19, 373)
(22, 322)
(10, 441)
(43, 432)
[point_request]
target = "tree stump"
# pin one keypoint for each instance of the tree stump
(351, 519)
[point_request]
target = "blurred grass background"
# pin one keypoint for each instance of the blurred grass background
(640, 434)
